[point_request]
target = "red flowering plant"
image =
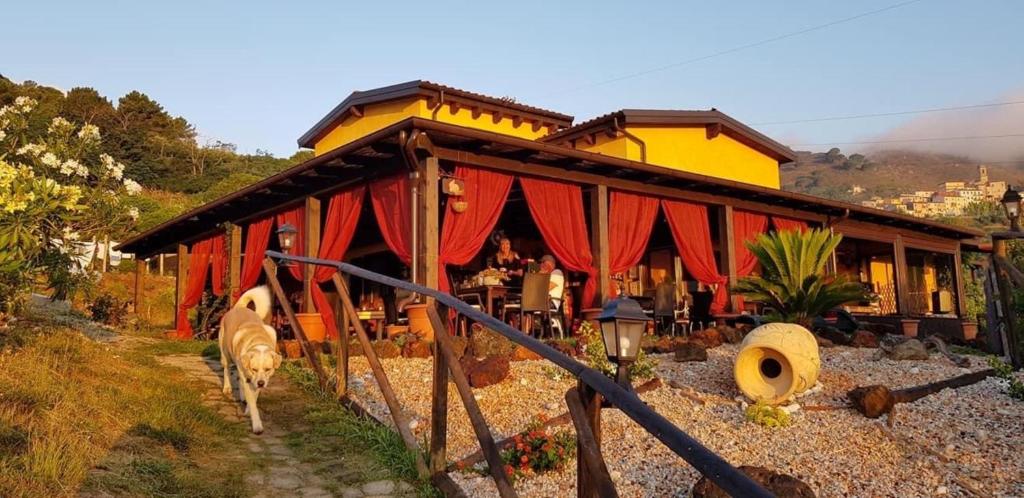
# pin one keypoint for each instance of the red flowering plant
(537, 450)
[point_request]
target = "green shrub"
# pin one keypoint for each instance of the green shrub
(536, 450)
(596, 356)
(766, 415)
(1004, 371)
(108, 309)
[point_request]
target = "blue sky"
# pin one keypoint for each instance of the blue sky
(260, 73)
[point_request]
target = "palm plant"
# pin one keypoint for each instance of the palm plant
(793, 280)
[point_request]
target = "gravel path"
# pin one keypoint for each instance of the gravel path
(963, 442)
(284, 475)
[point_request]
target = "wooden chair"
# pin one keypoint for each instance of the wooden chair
(700, 313)
(536, 301)
(665, 308)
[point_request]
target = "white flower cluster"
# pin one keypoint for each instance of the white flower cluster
(73, 167)
(31, 150)
(50, 159)
(114, 169)
(89, 132)
(133, 212)
(25, 104)
(132, 186)
(60, 125)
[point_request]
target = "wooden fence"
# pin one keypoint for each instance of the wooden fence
(594, 391)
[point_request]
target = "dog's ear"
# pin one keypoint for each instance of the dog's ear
(247, 360)
(277, 360)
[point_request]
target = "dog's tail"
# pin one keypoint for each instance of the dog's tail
(259, 297)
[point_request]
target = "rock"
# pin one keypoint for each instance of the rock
(911, 349)
(416, 349)
(730, 334)
(664, 344)
(710, 338)
(872, 401)
(522, 354)
(386, 349)
(864, 339)
(691, 351)
(379, 487)
(459, 345)
(823, 342)
(780, 485)
(486, 342)
(355, 348)
(560, 346)
(834, 335)
(941, 491)
(483, 372)
(647, 343)
(878, 328)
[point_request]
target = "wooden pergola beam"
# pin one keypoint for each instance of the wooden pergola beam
(180, 280)
(312, 247)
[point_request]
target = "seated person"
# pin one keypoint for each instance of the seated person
(509, 260)
(557, 286)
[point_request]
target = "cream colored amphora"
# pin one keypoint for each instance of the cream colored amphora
(777, 361)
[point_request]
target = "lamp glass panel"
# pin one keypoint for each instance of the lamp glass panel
(608, 336)
(631, 331)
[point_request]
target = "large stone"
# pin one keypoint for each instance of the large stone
(834, 335)
(486, 342)
(379, 487)
(483, 372)
(563, 347)
(691, 351)
(386, 349)
(864, 339)
(416, 349)
(781, 485)
(730, 334)
(872, 401)
(823, 342)
(664, 345)
(710, 338)
(459, 345)
(911, 349)
(523, 354)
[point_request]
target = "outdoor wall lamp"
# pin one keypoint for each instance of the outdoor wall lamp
(1011, 202)
(286, 238)
(623, 323)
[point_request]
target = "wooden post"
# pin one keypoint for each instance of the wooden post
(312, 353)
(442, 339)
(234, 235)
(341, 369)
(599, 241)
(105, 255)
(180, 280)
(592, 406)
(727, 250)
(958, 275)
(429, 222)
(312, 245)
(1013, 341)
(588, 451)
(140, 274)
(160, 261)
(902, 284)
(397, 415)
(439, 411)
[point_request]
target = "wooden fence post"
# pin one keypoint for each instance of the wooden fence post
(439, 411)
(591, 402)
(341, 369)
(592, 477)
(312, 353)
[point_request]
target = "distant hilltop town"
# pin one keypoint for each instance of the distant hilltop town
(948, 199)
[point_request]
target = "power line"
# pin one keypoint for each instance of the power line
(907, 140)
(894, 113)
(736, 48)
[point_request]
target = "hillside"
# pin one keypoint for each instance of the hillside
(884, 173)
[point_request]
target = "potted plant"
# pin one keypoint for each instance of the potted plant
(942, 298)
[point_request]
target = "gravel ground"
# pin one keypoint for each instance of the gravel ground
(963, 442)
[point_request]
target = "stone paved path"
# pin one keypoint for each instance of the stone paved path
(283, 475)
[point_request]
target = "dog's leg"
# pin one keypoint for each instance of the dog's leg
(225, 365)
(254, 413)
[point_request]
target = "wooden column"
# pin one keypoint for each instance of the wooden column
(727, 250)
(958, 276)
(180, 280)
(140, 274)
(1013, 341)
(599, 241)
(234, 236)
(902, 284)
(160, 262)
(429, 222)
(585, 483)
(312, 245)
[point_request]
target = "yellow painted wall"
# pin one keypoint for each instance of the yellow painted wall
(688, 149)
(378, 116)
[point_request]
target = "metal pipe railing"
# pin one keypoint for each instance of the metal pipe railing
(708, 463)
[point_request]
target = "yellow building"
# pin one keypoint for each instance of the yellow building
(704, 142)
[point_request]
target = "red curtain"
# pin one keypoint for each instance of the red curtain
(218, 264)
(198, 266)
(746, 226)
(557, 209)
(342, 217)
(257, 238)
(296, 217)
(782, 224)
(463, 234)
(391, 205)
(630, 221)
(689, 225)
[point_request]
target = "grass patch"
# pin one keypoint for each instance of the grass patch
(80, 415)
(336, 430)
(206, 349)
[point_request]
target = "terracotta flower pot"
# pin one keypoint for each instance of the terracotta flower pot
(969, 329)
(419, 323)
(909, 326)
(313, 326)
(292, 349)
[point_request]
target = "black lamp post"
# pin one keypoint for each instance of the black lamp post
(286, 239)
(1011, 202)
(623, 323)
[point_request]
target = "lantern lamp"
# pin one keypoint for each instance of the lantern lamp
(623, 323)
(1011, 202)
(286, 234)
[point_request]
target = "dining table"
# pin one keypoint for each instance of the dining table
(487, 294)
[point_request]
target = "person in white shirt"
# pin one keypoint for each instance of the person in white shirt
(557, 285)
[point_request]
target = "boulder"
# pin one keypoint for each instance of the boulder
(563, 347)
(355, 348)
(664, 344)
(872, 401)
(781, 485)
(878, 328)
(416, 349)
(522, 354)
(911, 349)
(823, 342)
(834, 335)
(691, 351)
(709, 338)
(486, 342)
(647, 343)
(864, 339)
(459, 345)
(386, 349)
(483, 372)
(730, 334)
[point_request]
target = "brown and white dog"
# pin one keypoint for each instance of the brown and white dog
(251, 345)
